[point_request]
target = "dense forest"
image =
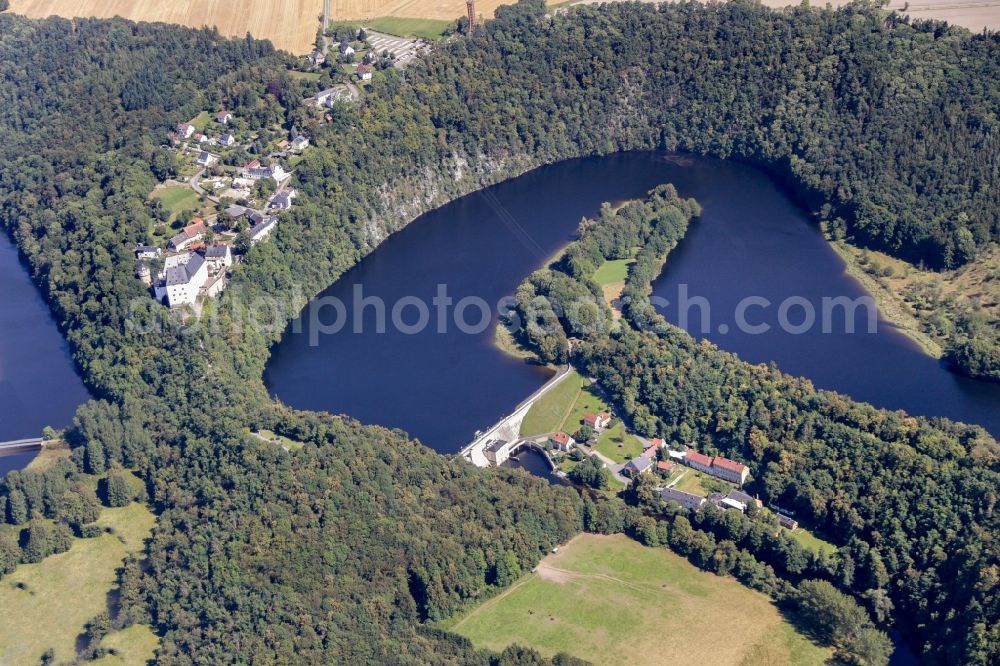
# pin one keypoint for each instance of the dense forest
(338, 552)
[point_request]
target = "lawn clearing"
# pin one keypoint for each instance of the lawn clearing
(812, 542)
(617, 444)
(547, 415)
(62, 592)
(178, 198)
(200, 122)
(424, 28)
(610, 600)
(610, 272)
(132, 646)
(280, 440)
(691, 482)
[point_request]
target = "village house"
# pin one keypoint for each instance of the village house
(650, 452)
(724, 502)
(219, 257)
(263, 229)
(189, 235)
(282, 200)
(717, 466)
(597, 421)
(741, 496)
(254, 171)
(364, 72)
(206, 159)
(300, 143)
(686, 500)
(665, 467)
(147, 252)
(560, 441)
(787, 522)
(223, 117)
(227, 140)
(636, 466)
(255, 217)
(184, 131)
(346, 49)
(200, 138)
(657, 442)
(317, 58)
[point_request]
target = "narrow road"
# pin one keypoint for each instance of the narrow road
(196, 186)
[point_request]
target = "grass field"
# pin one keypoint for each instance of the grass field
(613, 271)
(812, 542)
(200, 122)
(400, 26)
(691, 482)
(548, 414)
(612, 601)
(62, 592)
(617, 444)
(132, 646)
(177, 198)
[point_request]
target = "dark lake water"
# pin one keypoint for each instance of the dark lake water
(38, 381)
(751, 240)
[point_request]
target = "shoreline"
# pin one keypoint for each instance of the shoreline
(890, 306)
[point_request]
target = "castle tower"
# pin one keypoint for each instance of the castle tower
(470, 6)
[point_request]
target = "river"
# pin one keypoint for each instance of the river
(750, 241)
(39, 385)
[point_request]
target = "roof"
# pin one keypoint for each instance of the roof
(740, 496)
(699, 458)
(223, 114)
(680, 496)
(183, 274)
(364, 68)
(203, 156)
(194, 229)
(650, 452)
(219, 250)
(560, 437)
(147, 248)
(732, 504)
(664, 465)
(496, 445)
(731, 465)
(236, 211)
(639, 463)
(657, 442)
(226, 138)
(266, 224)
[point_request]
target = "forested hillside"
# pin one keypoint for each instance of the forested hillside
(336, 552)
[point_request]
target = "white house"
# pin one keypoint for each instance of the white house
(206, 159)
(300, 143)
(364, 71)
(255, 171)
(686, 500)
(223, 117)
(190, 234)
(263, 229)
(317, 58)
(561, 441)
(227, 140)
(598, 421)
(219, 257)
(346, 49)
(147, 252)
(282, 200)
(185, 130)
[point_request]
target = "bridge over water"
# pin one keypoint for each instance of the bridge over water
(20, 445)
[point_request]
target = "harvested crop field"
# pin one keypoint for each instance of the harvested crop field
(290, 24)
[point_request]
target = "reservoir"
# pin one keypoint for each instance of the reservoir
(38, 381)
(442, 384)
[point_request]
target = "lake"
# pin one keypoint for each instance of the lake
(39, 385)
(442, 387)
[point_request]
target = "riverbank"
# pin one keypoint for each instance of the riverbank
(890, 303)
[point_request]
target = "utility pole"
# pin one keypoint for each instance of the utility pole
(470, 6)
